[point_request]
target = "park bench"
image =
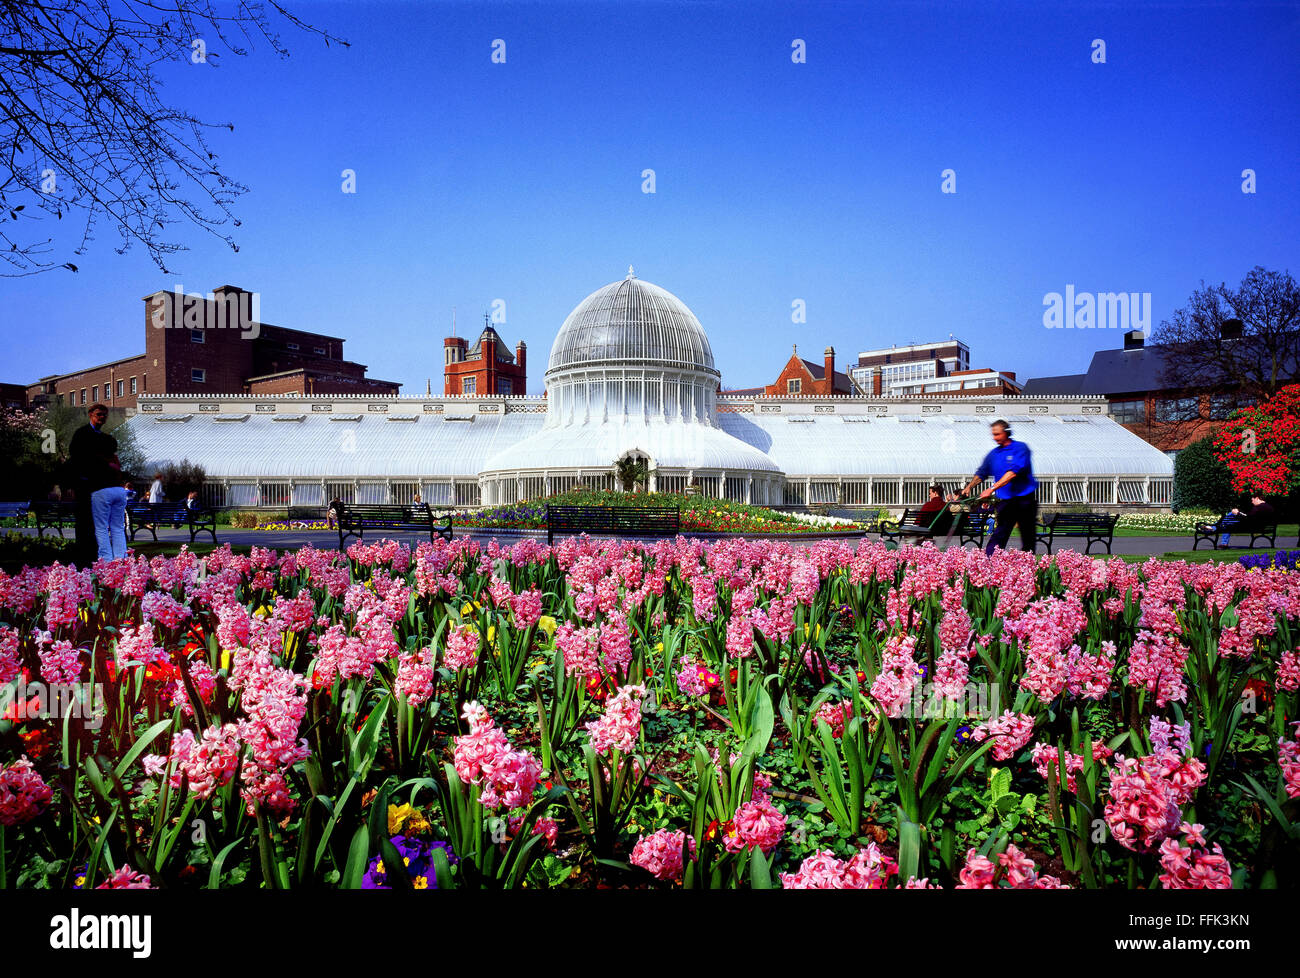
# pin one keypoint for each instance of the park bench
(642, 521)
(54, 516)
(1259, 531)
(968, 526)
(306, 514)
(14, 511)
(149, 516)
(354, 520)
(1093, 527)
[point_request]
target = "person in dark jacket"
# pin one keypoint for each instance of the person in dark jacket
(1259, 514)
(92, 463)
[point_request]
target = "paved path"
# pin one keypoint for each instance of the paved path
(329, 539)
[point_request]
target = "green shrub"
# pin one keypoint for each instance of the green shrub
(1201, 479)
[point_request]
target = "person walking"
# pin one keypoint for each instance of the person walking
(1010, 465)
(156, 490)
(92, 463)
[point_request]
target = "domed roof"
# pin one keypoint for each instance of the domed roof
(631, 321)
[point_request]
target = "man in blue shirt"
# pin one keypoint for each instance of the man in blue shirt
(1012, 470)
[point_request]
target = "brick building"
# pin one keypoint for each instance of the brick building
(804, 378)
(215, 346)
(485, 368)
(1133, 380)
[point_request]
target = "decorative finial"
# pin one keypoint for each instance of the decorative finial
(630, 273)
(428, 387)
(796, 347)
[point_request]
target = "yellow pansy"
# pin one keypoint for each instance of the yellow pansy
(547, 624)
(420, 883)
(406, 817)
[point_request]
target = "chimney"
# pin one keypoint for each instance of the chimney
(829, 355)
(521, 359)
(876, 386)
(1011, 374)
(1134, 339)
(1230, 329)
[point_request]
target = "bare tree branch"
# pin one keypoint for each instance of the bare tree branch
(84, 132)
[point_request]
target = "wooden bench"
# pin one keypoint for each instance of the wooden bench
(354, 520)
(643, 521)
(1260, 531)
(306, 514)
(1093, 527)
(968, 526)
(14, 511)
(54, 516)
(149, 516)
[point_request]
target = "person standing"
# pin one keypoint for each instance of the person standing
(92, 456)
(1010, 465)
(109, 508)
(156, 490)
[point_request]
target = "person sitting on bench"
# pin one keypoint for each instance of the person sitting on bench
(1260, 514)
(935, 513)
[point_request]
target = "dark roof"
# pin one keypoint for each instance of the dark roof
(818, 372)
(1063, 384)
(1122, 371)
(503, 352)
(746, 391)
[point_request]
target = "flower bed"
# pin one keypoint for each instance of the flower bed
(741, 714)
(698, 514)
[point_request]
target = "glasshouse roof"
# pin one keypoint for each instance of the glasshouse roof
(342, 445)
(631, 321)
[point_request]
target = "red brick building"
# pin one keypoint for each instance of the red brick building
(804, 378)
(213, 345)
(484, 368)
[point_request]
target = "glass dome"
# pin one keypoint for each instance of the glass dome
(631, 322)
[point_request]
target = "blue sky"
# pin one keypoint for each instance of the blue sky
(775, 181)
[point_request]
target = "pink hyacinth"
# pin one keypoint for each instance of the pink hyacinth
(691, 677)
(23, 793)
(619, 727)
(660, 853)
(1018, 873)
(1192, 866)
(484, 757)
(616, 644)
(60, 663)
(126, 878)
(1168, 736)
(834, 715)
(868, 869)
(1288, 760)
(1146, 798)
(527, 608)
(415, 676)
(1010, 732)
(757, 823)
(462, 648)
(1288, 672)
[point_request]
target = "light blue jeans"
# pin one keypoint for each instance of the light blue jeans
(108, 509)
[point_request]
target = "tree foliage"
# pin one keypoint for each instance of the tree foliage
(84, 132)
(1260, 445)
(1201, 479)
(1201, 348)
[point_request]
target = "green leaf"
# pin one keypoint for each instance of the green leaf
(358, 858)
(761, 722)
(144, 740)
(999, 783)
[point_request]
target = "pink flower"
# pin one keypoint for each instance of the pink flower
(619, 727)
(126, 878)
(1010, 733)
(462, 648)
(868, 869)
(23, 793)
(1146, 798)
(757, 823)
(415, 676)
(660, 853)
(484, 757)
(1193, 867)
